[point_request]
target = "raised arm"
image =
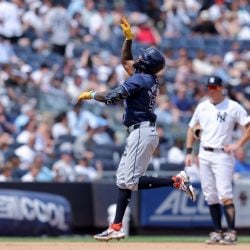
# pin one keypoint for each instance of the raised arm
(126, 52)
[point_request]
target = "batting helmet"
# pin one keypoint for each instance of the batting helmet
(151, 61)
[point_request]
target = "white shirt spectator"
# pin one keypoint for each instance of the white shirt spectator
(28, 178)
(85, 173)
(175, 155)
(10, 20)
(30, 18)
(26, 155)
(75, 87)
(63, 169)
(3, 178)
(78, 123)
(57, 21)
(59, 129)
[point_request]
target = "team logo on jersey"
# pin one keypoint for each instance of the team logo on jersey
(152, 97)
(221, 117)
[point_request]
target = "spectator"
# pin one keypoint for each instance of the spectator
(183, 103)
(79, 119)
(6, 173)
(5, 121)
(165, 112)
(27, 114)
(32, 174)
(85, 172)
(63, 169)
(29, 129)
(11, 27)
(15, 163)
(58, 26)
(177, 21)
(6, 51)
(76, 86)
(204, 25)
(60, 127)
(5, 141)
(146, 32)
(176, 152)
(27, 152)
(32, 22)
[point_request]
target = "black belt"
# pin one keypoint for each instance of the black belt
(213, 149)
(137, 125)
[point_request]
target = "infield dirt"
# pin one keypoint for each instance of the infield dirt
(116, 245)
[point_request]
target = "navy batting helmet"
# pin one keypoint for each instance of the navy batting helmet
(151, 61)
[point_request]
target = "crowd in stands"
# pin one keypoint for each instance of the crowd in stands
(52, 50)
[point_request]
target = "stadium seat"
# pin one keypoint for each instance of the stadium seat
(109, 155)
(66, 138)
(171, 166)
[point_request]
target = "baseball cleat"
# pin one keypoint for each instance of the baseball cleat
(181, 181)
(214, 238)
(110, 234)
(229, 238)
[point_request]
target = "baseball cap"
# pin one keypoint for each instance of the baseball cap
(214, 81)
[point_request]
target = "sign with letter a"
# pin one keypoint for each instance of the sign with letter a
(172, 208)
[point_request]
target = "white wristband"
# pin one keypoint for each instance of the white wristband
(93, 94)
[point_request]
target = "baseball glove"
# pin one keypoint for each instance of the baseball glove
(197, 131)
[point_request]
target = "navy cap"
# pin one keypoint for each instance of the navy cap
(214, 81)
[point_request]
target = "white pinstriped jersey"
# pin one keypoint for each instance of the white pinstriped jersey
(218, 121)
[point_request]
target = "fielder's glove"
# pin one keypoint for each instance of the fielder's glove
(85, 96)
(197, 131)
(126, 28)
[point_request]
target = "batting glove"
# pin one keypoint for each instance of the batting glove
(126, 28)
(86, 96)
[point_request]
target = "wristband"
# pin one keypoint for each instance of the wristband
(189, 150)
(93, 94)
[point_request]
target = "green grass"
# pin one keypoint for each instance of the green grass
(241, 239)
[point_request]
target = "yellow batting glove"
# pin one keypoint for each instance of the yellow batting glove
(86, 96)
(126, 28)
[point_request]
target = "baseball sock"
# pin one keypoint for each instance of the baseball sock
(147, 182)
(124, 196)
(215, 212)
(229, 211)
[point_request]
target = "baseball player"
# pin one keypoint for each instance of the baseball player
(139, 94)
(217, 118)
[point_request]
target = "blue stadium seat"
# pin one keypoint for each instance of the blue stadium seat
(171, 166)
(109, 155)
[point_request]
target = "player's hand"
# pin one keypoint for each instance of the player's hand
(230, 148)
(188, 160)
(85, 96)
(126, 28)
